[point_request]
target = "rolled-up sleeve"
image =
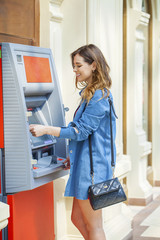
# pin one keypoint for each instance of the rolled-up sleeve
(67, 132)
(89, 121)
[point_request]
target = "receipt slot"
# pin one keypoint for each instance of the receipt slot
(29, 94)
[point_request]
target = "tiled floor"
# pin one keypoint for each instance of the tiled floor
(146, 221)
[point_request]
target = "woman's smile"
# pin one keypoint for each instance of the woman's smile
(82, 69)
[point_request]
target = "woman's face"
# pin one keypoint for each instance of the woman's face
(82, 69)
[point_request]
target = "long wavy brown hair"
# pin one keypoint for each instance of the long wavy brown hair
(100, 77)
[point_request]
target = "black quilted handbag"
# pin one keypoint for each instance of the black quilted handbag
(108, 192)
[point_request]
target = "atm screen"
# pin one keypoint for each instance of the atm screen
(37, 69)
(39, 141)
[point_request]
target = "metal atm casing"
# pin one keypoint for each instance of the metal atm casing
(30, 87)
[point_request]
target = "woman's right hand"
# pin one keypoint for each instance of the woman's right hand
(37, 130)
(67, 163)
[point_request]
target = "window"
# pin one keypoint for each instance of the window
(144, 7)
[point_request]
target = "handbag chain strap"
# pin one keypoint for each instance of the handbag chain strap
(112, 150)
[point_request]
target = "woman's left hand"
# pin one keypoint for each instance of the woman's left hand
(67, 163)
(37, 130)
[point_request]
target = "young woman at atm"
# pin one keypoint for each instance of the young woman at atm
(91, 117)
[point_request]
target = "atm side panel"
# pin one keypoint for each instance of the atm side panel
(17, 166)
(1, 123)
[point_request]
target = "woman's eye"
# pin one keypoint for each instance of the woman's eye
(77, 66)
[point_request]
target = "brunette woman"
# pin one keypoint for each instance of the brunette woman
(91, 117)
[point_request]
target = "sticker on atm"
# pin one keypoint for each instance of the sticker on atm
(48, 142)
(37, 69)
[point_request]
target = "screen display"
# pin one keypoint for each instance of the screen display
(38, 141)
(37, 69)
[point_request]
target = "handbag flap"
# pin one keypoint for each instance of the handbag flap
(108, 186)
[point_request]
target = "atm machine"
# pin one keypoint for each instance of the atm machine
(29, 94)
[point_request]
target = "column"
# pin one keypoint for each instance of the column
(138, 146)
(93, 22)
(156, 91)
(56, 18)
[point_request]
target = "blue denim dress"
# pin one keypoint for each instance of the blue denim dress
(92, 118)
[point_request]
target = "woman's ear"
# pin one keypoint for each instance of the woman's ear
(94, 65)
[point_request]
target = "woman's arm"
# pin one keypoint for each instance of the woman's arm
(39, 130)
(81, 129)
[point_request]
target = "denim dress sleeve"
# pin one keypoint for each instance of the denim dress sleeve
(90, 119)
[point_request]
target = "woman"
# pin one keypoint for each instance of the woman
(91, 117)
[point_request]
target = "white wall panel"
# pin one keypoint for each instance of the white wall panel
(73, 37)
(111, 30)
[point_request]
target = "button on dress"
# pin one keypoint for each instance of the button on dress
(92, 118)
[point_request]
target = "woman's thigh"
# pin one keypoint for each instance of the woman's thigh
(92, 218)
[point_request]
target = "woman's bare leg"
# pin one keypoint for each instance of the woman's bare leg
(93, 220)
(78, 220)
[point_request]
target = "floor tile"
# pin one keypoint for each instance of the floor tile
(153, 219)
(153, 232)
(146, 223)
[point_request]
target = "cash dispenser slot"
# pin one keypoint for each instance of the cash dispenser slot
(47, 162)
